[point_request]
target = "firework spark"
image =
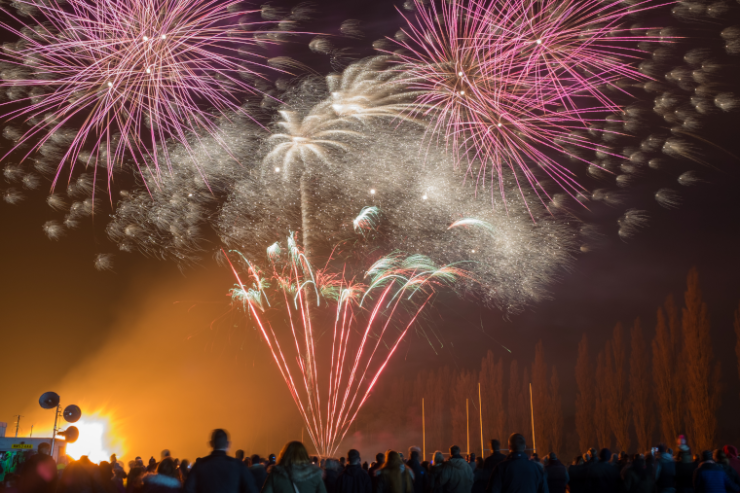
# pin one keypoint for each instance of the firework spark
(368, 320)
(515, 84)
(128, 76)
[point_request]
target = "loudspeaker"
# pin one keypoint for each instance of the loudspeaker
(71, 434)
(72, 413)
(49, 400)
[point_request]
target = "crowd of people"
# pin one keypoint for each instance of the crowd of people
(659, 470)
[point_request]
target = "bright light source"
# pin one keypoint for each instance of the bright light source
(110, 84)
(148, 71)
(372, 191)
(146, 38)
(424, 197)
(539, 41)
(164, 36)
(460, 74)
(277, 170)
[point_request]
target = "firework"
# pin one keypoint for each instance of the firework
(127, 76)
(515, 84)
(367, 320)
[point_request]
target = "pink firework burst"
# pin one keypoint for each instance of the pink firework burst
(515, 83)
(127, 75)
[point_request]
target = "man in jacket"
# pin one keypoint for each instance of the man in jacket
(354, 479)
(710, 477)
(456, 475)
(414, 464)
(665, 471)
(494, 459)
(219, 473)
(603, 476)
(556, 474)
(517, 474)
(39, 473)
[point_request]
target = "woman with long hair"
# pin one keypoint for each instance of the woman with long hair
(394, 476)
(294, 472)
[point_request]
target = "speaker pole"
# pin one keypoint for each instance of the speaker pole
(54, 434)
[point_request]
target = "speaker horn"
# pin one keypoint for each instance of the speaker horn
(49, 400)
(71, 434)
(72, 413)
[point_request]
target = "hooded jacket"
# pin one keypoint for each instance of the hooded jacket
(354, 479)
(159, 483)
(731, 453)
(456, 476)
(517, 474)
(307, 478)
(711, 477)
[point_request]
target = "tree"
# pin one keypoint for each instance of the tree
(585, 398)
(667, 374)
(556, 414)
(541, 397)
(601, 408)
(702, 373)
(640, 389)
(493, 397)
(618, 404)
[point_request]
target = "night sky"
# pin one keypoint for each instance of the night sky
(154, 344)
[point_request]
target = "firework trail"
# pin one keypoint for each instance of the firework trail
(517, 84)
(127, 76)
(292, 304)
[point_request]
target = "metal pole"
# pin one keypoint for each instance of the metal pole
(480, 409)
(467, 420)
(31, 435)
(423, 432)
(54, 434)
(531, 408)
(17, 424)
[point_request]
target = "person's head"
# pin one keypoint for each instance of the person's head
(165, 453)
(517, 443)
(44, 448)
(167, 467)
(379, 458)
(255, 459)
(551, 457)
(342, 461)
(105, 470)
(239, 454)
(219, 440)
(605, 454)
(577, 460)
(706, 455)
(729, 450)
(331, 465)
(593, 453)
(113, 459)
(438, 457)
(479, 463)
(414, 453)
(353, 456)
(454, 450)
(495, 445)
(293, 453)
(720, 457)
(152, 460)
(393, 460)
(184, 465)
(661, 449)
(623, 456)
(272, 459)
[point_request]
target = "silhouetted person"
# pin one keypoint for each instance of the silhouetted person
(494, 459)
(166, 480)
(219, 473)
(517, 474)
(480, 476)
(665, 471)
(457, 476)
(393, 476)
(414, 463)
(720, 458)
(710, 477)
(354, 479)
(603, 476)
(578, 475)
(556, 474)
(239, 454)
(259, 471)
(434, 475)
(731, 453)
(636, 477)
(685, 469)
(294, 472)
(184, 469)
(39, 473)
(331, 473)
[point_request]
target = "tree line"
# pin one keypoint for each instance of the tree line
(631, 393)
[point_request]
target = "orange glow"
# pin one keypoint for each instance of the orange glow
(97, 440)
